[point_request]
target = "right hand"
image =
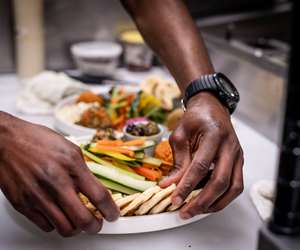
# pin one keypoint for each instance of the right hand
(41, 174)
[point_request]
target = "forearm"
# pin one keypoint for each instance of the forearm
(171, 32)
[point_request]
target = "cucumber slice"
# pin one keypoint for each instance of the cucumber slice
(147, 144)
(116, 187)
(151, 161)
(139, 155)
(118, 176)
(108, 164)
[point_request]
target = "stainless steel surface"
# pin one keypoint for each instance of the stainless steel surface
(253, 51)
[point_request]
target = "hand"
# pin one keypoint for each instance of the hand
(204, 137)
(41, 174)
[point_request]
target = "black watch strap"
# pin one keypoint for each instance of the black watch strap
(219, 85)
(205, 82)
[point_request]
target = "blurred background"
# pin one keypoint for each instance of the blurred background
(247, 40)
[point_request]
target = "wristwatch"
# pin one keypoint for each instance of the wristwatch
(219, 85)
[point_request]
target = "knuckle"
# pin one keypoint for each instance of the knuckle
(237, 189)
(218, 128)
(201, 167)
(177, 138)
(221, 183)
(100, 197)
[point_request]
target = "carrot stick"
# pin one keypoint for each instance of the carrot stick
(116, 150)
(110, 142)
(138, 142)
(150, 174)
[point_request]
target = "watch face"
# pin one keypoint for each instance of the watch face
(227, 87)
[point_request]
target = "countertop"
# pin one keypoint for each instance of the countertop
(234, 228)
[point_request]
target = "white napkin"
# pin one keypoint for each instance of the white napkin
(42, 92)
(262, 196)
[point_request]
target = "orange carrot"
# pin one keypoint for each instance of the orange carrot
(150, 174)
(124, 151)
(138, 142)
(110, 142)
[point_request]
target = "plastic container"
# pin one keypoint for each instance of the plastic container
(97, 58)
(137, 55)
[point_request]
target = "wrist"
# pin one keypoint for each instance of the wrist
(5, 128)
(206, 98)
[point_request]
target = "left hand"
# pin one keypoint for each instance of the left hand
(205, 136)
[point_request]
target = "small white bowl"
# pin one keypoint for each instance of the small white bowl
(156, 138)
(97, 58)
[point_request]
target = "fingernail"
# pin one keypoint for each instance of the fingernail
(177, 200)
(185, 216)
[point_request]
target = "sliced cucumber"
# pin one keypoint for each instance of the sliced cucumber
(116, 187)
(151, 161)
(139, 155)
(147, 144)
(117, 175)
(108, 164)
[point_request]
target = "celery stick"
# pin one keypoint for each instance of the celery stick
(118, 175)
(108, 164)
(116, 187)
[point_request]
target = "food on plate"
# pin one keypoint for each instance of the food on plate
(143, 129)
(163, 151)
(118, 106)
(105, 134)
(90, 97)
(164, 90)
(95, 117)
(154, 200)
(174, 118)
(131, 175)
(148, 106)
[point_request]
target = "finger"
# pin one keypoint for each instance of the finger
(38, 219)
(181, 153)
(78, 214)
(217, 185)
(198, 169)
(98, 195)
(236, 188)
(54, 214)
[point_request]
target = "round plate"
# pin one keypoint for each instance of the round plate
(144, 223)
(147, 223)
(67, 127)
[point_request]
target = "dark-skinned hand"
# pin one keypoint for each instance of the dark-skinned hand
(41, 174)
(204, 137)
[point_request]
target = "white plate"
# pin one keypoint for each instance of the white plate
(147, 223)
(66, 127)
(70, 129)
(144, 223)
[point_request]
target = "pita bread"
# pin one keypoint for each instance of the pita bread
(161, 207)
(143, 197)
(126, 200)
(145, 207)
(117, 196)
(190, 197)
